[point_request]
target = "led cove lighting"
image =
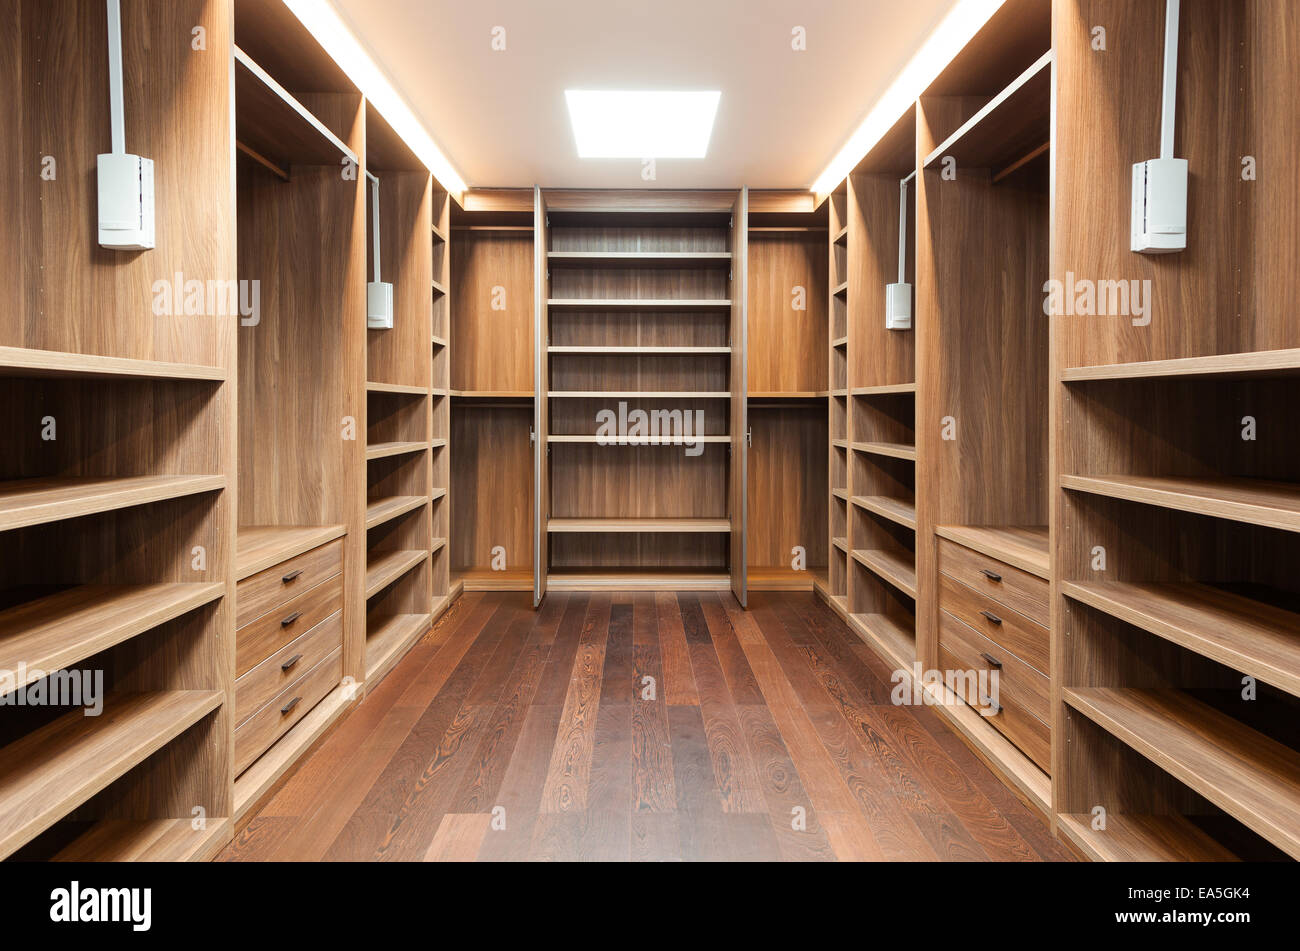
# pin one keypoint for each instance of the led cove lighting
(641, 125)
(323, 22)
(948, 39)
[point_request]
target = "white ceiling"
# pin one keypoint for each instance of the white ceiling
(501, 119)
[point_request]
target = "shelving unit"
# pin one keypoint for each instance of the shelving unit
(1154, 467)
(118, 527)
(492, 522)
(644, 345)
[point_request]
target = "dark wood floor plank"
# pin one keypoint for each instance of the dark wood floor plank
(554, 685)
(570, 769)
(735, 668)
(656, 837)
(518, 803)
(737, 779)
(836, 645)
(616, 684)
(679, 681)
(459, 838)
(653, 789)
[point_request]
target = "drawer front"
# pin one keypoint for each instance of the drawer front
(256, 734)
(1022, 691)
(265, 636)
(1018, 590)
(256, 688)
(1010, 630)
(268, 590)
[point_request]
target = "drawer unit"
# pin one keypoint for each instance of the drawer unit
(256, 688)
(1010, 630)
(1023, 692)
(1019, 590)
(256, 734)
(257, 641)
(273, 587)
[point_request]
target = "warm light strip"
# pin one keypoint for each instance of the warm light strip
(963, 21)
(324, 23)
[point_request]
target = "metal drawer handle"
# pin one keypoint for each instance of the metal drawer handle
(987, 701)
(993, 618)
(991, 575)
(291, 618)
(291, 661)
(291, 576)
(288, 707)
(992, 661)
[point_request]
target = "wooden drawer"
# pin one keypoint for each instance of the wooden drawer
(256, 688)
(1010, 630)
(270, 589)
(1018, 590)
(265, 636)
(256, 734)
(1022, 691)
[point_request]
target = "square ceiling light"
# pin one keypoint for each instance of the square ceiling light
(641, 125)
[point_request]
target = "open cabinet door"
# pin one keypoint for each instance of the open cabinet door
(739, 393)
(541, 405)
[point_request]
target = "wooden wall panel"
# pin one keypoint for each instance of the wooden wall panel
(493, 349)
(787, 485)
(787, 348)
(491, 485)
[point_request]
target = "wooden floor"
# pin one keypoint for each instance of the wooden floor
(647, 726)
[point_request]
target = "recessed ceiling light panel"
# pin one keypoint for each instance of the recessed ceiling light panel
(641, 125)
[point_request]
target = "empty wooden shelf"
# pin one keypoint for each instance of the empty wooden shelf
(709, 525)
(1143, 838)
(379, 511)
(574, 303)
(54, 364)
(34, 501)
(1248, 775)
(59, 630)
(1258, 364)
(1252, 637)
(382, 450)
(146, 840)
(401, 389)
(1271, 504)
(896, 642)
(1014, 124)
(639, 440)
(639, 395)
(896, 510)
(896, 450)
(49, 772)
(890, 566)
(640, 259)
(385, 567)
(389, 637)
(639, 351)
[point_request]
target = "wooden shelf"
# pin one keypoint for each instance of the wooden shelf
(258, 547)
(1248, 636)
(841, 236)
(889, 566)
(388, 638)
(639, 440)
(27, 502)
(53, 364)
(639, 351)
(381, 450)
(574, 303)
(640, 525)
(840, 494)
(892, 449)
(896, 510)
(639, 395)
(634, 579)
(787, 395)
(49, 772)
(1026, 547)
(639, 259)
(493, 394)
(1016, 122)
(1262, 365)
(275, 126)
(839, 342)
(438, 287)
(1247, 774)
(840, 444)
(147, 840)
(1271, 504)
(439, 234)
(840, 542)
(379, 511)
(890, 639)
(385, 567)
(840, 288)
(485, 579)
(437, 494)
(439, 341)
(888, 389)
(778, 579)
(401, 389)
(1143, 838)
(59, 630)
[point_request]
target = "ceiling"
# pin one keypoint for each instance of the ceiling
(500, 115)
